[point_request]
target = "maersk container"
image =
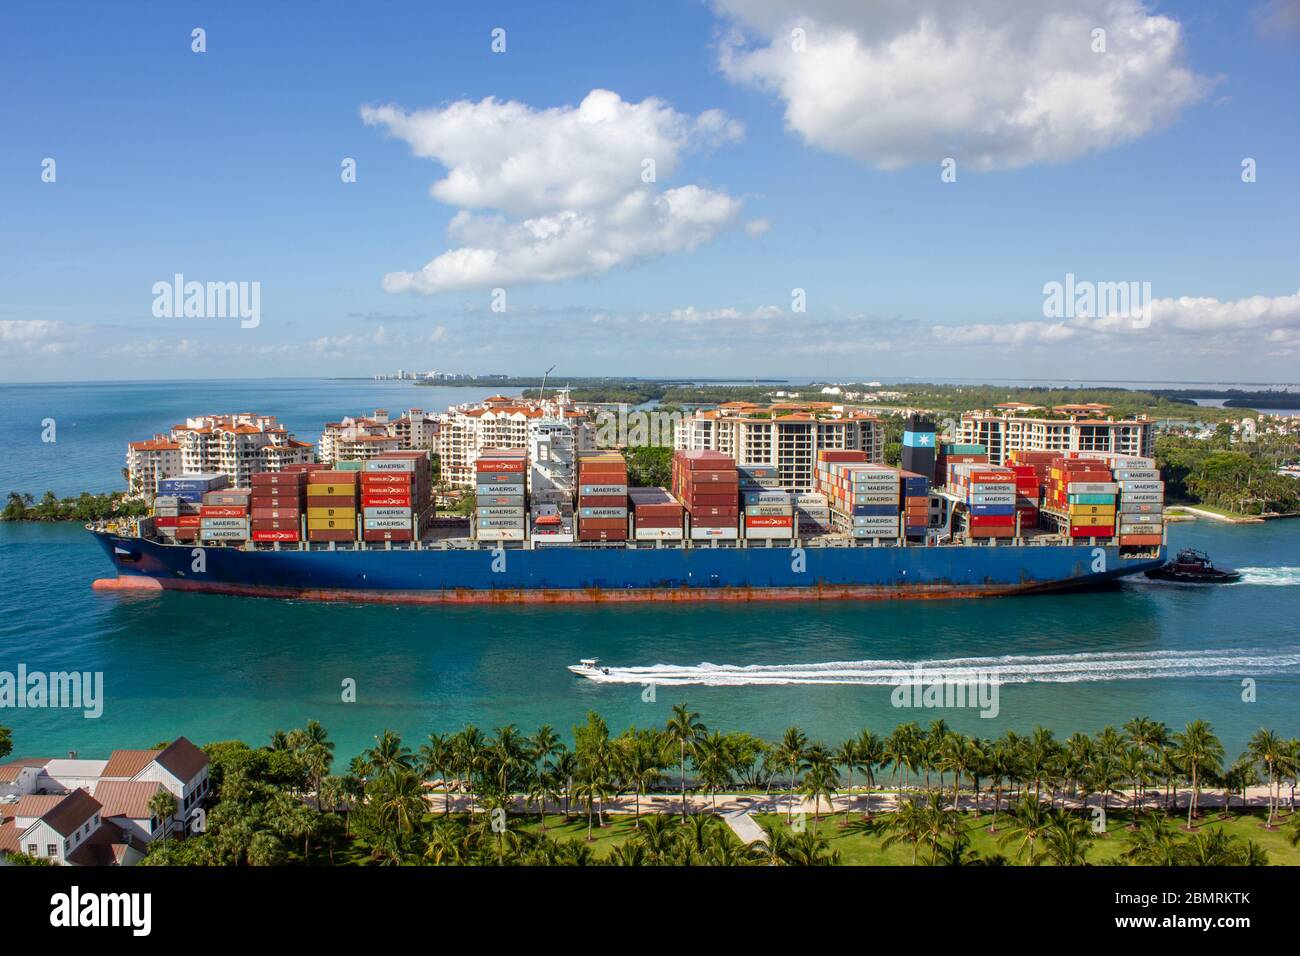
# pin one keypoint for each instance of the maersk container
(767, 498)
(224, 523)
(378, 513)
(487, 491)
(602, 490)
(495, 511)
(223, 534)
(1137, 474)
(387, 524)
(602, 512)
(1142, 487)
(994, 498)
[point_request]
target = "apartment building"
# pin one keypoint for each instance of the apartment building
(81, 812)
(362, 438)
(787, 436)
(499, 422)
(235, 445)
(1064, 428)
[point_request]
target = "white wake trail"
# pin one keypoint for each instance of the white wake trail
(1010, 669)
(1274, 577)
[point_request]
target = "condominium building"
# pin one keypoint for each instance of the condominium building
(150, 461)
(498, 422)
(787, 436)
(235, 445)
(1016, 427)
(359, 439)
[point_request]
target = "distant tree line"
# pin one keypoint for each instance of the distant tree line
(82, 507)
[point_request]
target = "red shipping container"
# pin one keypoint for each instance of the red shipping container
(276, 524)
(500, 464)
(705, 460)
(711, 501)
(268, 501)
(725, 511)
(841, 454)
(1092, 531)
(277, 479)
(1144, 540)
(700, 477)
(602, 524)
(280, 535)
(187, 534)
(658, 521)
(1000, 531)
(397, 535)
(585, 535)
(385, 501)
(173, 522)
(188, 521)
(713, 521)
(402, 478)
(992, 521)
(331, 534)
(223, 511)
(768, 521)
(602, 501)
(334, 477)
(309, 468)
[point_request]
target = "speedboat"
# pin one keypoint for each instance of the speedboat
(588, 667)
(1193, 567)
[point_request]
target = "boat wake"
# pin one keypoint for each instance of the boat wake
(1012, 669)
(1276, 577)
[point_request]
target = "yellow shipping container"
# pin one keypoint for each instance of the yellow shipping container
(348, 490)
(1092, 521)
(346, 514)
(331, 524)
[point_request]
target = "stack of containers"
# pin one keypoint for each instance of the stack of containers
(332, 505)
(916, 503)
(1140, 520)
(707, 483)
(278, 503)
(179, 502)
(395, 492)
(1084, 490)
(656, 515)
(864, 498)
(958, 454)
(500, 504)
(990, 495)
(602, 496)
(758, 477)
(1027, 493)
(223, 516)
(812, 514)
(768, 514)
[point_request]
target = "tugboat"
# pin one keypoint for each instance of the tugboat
(1193, 567)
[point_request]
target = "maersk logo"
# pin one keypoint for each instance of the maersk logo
(74, 909)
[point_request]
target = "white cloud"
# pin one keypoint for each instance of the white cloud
(992, 83)
(564, 189)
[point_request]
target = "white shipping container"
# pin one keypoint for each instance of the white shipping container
(1142, 486)
(1091, 488)
(659, 534)
(717, 534)
(234, 524)
(223, 534)
(386, 513)
(387, 524)
(500, 534)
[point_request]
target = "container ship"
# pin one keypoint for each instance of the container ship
(560, 525)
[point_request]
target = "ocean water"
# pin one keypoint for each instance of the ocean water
(214, 667)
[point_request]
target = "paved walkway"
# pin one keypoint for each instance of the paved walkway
(745, 827)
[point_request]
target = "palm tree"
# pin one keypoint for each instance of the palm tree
(820, 778)
(1066, 839)
(507, 750)
(871, 754)
(399, 800)
(435, 757)
(791, 751)
(641, 764)
(1040, 754)
(389, 756)
(1198, 749)
(1268, 749)
(713, 762)
(811, 849)
(684, 729)
(1153, 843)
(564, 767)
(1028, 821)
(848, 757)
(468, 748)
(162, 807)
(775, 844)
(910, 821)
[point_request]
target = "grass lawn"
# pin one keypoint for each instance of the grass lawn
(857, 849)
(618, 831)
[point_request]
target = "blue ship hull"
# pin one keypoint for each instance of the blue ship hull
(577, 573)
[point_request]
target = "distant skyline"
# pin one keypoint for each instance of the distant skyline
(801, 189)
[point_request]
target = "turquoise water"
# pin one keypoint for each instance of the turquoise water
(215, 667)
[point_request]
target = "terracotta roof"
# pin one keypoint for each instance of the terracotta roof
(34, 805)
(154, 445)
(127, 763)
(9, 838)
(183, 759)
(9, 771)
(126, 798)
(73, 811)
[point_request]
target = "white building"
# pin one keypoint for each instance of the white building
(1066, 428)
(96, 812)
(235, 445)
(498, 422)
(787, 436)
(360, 439)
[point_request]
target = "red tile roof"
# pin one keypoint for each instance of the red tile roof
(72, 812)
(127, 763)
(183, 759)
(126, 798)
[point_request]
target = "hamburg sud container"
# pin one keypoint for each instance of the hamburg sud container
(223, 516)
(706, 482)
(1084, 489)
(602, 496)
(278, 504)
(656, 515)
(332, 505)
(499, 485)
(989, 492)
(395, 495)
(865, 499)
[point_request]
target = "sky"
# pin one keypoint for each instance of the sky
(840, 189)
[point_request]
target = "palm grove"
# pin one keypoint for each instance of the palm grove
(492, 799)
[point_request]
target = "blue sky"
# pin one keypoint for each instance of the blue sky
(816, 170)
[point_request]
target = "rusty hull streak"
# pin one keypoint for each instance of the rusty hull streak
(817, 592)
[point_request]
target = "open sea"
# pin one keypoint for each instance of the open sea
(214, 667)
